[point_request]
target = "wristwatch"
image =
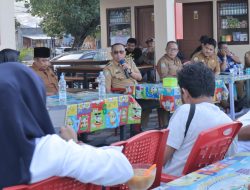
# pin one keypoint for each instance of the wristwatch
(129, 72)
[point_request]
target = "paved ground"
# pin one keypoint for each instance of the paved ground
(107, 136)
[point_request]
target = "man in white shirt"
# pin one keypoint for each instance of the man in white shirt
(197, 83)
(244, 133)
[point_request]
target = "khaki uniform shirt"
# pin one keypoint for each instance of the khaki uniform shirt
(247, 59)
(167, 67)
(49, 78)
(211, 62)
(115, 76)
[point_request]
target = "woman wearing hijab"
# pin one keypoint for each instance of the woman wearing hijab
(9, 55)
(30, 149)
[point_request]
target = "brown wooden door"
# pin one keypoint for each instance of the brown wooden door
(197, 21)
(144, 24)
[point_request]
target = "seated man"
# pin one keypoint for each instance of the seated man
(121, 75)
(226, 58)
(197, 83)
(244, 133)
(227, 61)
(133, 51)
(41, 67)
(207, 55)
(168, 66)
(148, 57)
(202, 39)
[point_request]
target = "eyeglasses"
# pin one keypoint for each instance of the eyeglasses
(121, 52)
(172, 49)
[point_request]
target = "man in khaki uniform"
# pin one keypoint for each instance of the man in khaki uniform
(169, 64)
(120, 75)
(208, 56)
(41, 67)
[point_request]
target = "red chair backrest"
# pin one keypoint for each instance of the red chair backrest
(147, 147)
(56, 183)
(118, 90)
(211, 146)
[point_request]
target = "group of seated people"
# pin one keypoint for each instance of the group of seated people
(31, 151)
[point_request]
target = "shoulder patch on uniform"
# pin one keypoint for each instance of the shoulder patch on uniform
(163, 65)
(196, 59)
(106, 72)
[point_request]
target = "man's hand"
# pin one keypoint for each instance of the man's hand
(223, 52)
(68, 133)
(126, 66)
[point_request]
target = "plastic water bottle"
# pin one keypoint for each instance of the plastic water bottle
(241, 69)
(62, 90)
(235, 70)
(101, 85)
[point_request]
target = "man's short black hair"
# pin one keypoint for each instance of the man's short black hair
(132, 41)
(210, 41)
(203, 38)
(221, 43)
(117, 44)
(197, 79)
(171, 42)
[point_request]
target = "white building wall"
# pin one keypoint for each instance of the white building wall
(106, 4)
(239, 50)
(7, 24)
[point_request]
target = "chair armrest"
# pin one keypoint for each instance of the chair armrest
(165, 178)
(17, 187)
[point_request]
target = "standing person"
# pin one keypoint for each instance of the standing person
(168, 66)
(208, 56)
(41, 66)
(30, 149)
(148, 57)
(133, 51)
(197, 83)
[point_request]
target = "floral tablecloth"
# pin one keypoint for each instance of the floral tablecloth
(170, 97)
(86, 113)
(229, 174)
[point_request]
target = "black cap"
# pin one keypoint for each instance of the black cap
(42, 52)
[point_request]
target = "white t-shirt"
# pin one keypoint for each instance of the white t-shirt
(54, 156)
(244, 146)
(206, 116)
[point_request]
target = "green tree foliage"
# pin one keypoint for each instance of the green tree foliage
(76, 17)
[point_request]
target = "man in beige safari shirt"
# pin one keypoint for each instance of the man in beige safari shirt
(169, 64)
(115, 73)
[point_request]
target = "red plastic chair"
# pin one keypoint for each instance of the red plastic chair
(118, 90)
(210, 146)
(146, 147)
(56, 183)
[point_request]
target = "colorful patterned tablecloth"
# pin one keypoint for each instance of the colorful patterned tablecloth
(86, 113)
(170, 97)
(231, 78)
(229, 174)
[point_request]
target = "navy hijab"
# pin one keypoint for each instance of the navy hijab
(23, 117)
(9, 55)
